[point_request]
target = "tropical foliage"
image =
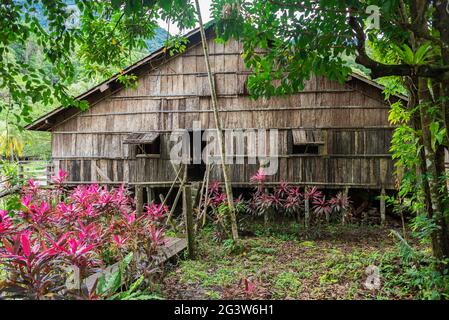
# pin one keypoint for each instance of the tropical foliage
(404, 43)
(54, 237)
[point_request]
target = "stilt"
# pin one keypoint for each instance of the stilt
(49, 170)
(306, 212)
(21, 173)
(188, 216)
(139, 199)
(150, 195)
(196, 185)
(382, 207)
(266, 215)
(344, 211)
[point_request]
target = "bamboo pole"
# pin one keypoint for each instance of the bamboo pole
(178, 194)
(214, 100)
(188, 216)
(205, 190)
(172, 185)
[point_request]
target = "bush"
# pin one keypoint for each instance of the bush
(57, 233)
(289, 200)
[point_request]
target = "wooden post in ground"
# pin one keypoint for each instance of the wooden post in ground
(48, 173)
(21, 172)
(139, 199)
(382, 207)
(150, 195)
(306, 210)
(344, 211)
(188, 218)
(266, 214)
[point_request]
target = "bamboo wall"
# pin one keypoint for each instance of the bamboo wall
(89, 145)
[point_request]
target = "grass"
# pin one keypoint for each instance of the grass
(331, 265)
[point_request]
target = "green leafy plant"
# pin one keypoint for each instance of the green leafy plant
(421, 56)
(110, 287)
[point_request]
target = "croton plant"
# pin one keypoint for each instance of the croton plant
(57, 233)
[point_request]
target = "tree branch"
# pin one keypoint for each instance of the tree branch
(378, 69)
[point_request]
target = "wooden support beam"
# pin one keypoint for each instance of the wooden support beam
(306, 211)
(7, 192)
(382, 207)
(150, 195)
(139, 199)
(49, 172)
(188, 217)
(21, 172)
(344, 211)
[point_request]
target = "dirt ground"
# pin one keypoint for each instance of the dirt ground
(330, 263)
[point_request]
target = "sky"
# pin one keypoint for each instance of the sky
(204, 7)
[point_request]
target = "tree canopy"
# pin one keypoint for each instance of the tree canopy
(101, 35)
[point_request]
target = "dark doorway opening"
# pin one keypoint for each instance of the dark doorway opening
(306, 149)
(196, 171)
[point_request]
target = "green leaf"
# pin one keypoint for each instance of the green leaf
(437, 135)
(101, 285)
(114, 281)
(126, 261)
(423, 54)
(136, 284)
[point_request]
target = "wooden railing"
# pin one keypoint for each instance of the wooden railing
(38, 170)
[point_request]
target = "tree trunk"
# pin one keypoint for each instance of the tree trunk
(437, 186)
(228, 187)
(416, 123)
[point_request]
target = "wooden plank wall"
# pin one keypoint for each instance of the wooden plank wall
(354, 116)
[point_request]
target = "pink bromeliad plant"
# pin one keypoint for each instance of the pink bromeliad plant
(215, 202)
(288, 199)
(57, 231)
(59, 178)
(156, 212)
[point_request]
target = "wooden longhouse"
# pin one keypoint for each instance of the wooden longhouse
(330, 135)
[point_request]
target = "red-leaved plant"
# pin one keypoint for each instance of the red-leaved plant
(84, 229)
(289, 200)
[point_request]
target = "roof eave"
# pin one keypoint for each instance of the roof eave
(43, 123)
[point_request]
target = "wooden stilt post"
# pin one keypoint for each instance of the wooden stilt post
(139, 199)
(21, 172)
(382, 207)
(306, 210)
(343, 211)
(150, 195)
(188, 216)
(266, 215)
(48, 170)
